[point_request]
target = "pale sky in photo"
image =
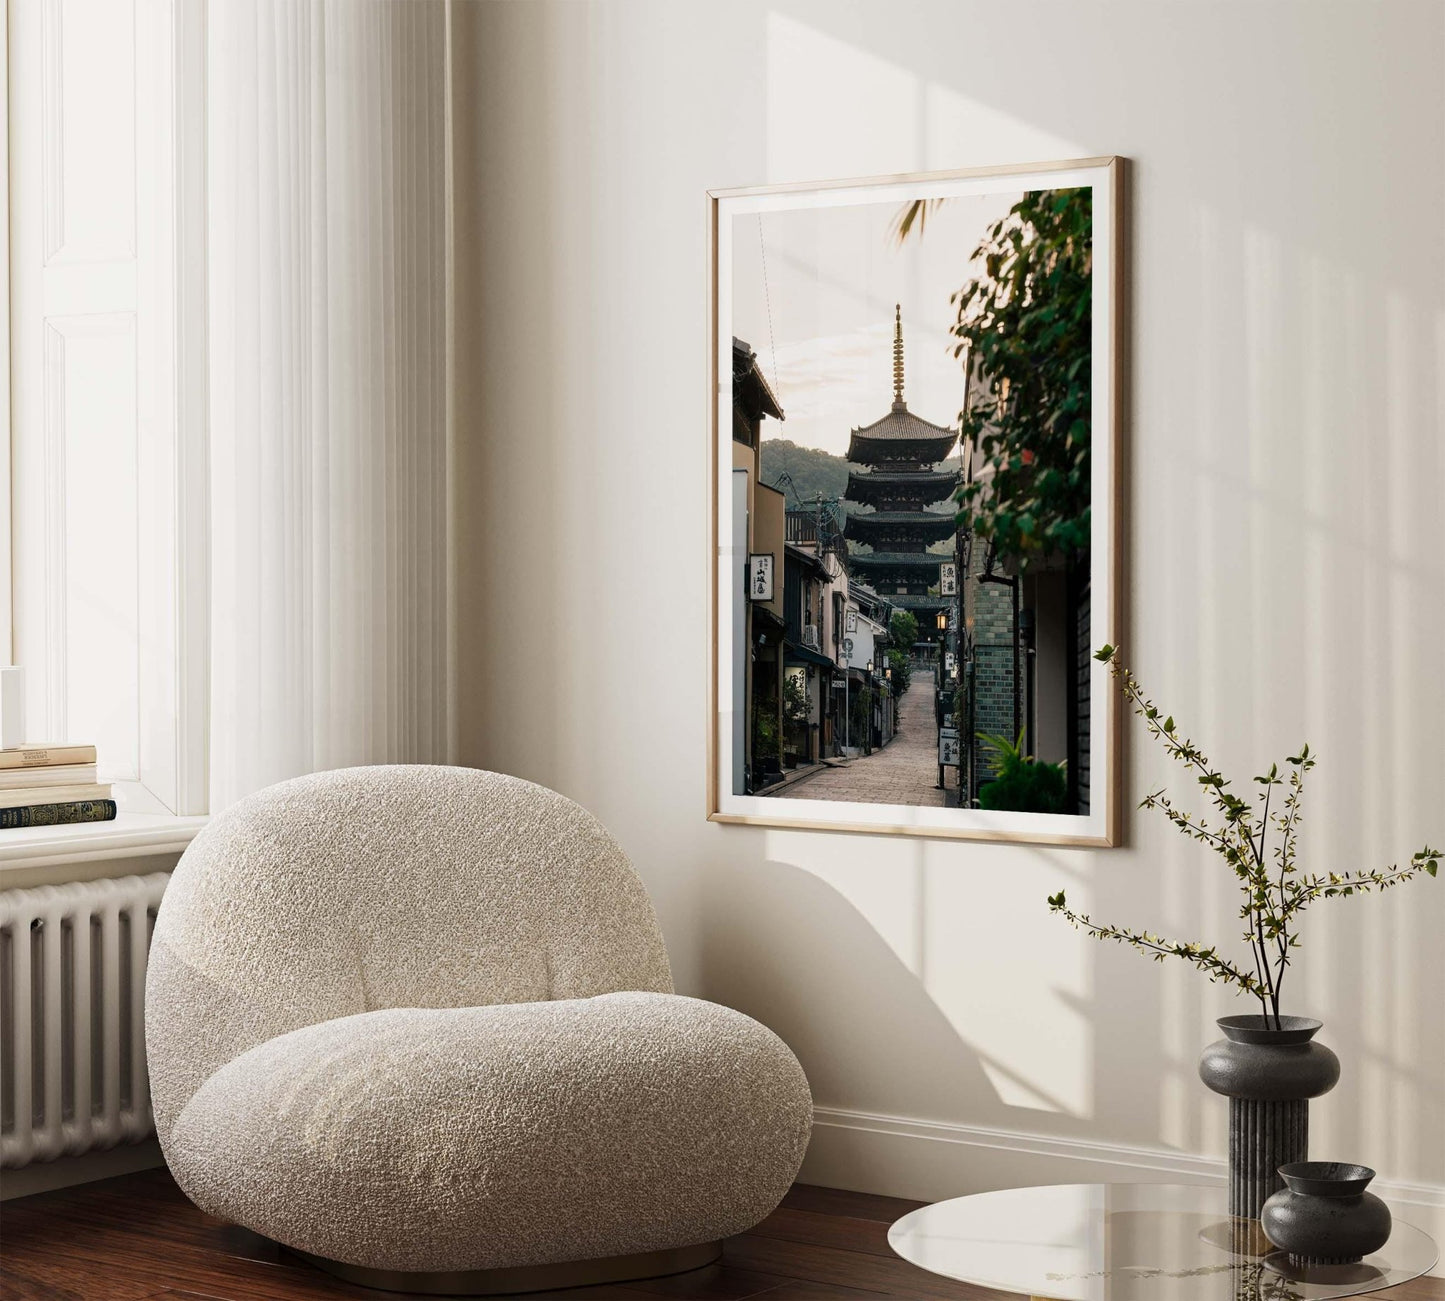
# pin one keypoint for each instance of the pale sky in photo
(833, 276)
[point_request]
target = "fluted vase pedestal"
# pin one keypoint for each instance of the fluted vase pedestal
(1269, 1070)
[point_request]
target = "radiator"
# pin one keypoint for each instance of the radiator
(72, 1001)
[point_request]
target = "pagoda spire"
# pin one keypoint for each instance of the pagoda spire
(898, 357)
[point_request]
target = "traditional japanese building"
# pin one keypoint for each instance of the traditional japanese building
(758, 681)
(894, 470)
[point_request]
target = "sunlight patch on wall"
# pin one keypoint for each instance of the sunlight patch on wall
(1303, 501)
(955, 917)
(836, 110)
(959, 131)
(1024, 1007)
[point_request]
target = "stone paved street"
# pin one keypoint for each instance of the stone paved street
(902, 772)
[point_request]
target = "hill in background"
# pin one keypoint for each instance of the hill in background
(811, 471)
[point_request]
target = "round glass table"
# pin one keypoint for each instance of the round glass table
(1133, 1242)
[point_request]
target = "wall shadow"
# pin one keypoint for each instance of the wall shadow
(789, 948)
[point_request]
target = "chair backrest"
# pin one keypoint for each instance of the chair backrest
(398, 886)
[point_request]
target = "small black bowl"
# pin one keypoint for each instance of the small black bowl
(1324, 1216)
(1326, 1178)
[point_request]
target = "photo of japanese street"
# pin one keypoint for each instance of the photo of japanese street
(911, 402)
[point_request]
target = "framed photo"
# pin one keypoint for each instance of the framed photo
(916, 410)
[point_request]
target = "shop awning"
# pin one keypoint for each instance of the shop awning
(795, 655)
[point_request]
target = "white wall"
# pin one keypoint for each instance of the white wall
(1285, 570)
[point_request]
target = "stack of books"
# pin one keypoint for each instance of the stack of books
(46, 785)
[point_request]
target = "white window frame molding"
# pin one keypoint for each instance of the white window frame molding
(192, 482)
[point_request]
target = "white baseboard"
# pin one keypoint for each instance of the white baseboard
(87, 1168)
(894, 1156)
(929, 1161)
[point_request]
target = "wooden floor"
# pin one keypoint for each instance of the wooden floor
(137, 1237)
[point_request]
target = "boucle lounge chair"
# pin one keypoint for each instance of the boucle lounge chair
(417, 1024)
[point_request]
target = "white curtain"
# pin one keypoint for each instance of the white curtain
(327, 282)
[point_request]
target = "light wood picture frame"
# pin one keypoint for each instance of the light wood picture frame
(998, 451)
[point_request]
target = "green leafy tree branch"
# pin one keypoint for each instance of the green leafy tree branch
(797, 708)
(901, 669)
(1024, 326)
(903, 630)
(1259, 844)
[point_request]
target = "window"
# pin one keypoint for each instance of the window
(229, 366)
(106, 593)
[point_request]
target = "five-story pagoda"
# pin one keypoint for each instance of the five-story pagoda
(900, 483)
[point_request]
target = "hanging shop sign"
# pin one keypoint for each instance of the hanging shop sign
(948, 747)
(760, 576)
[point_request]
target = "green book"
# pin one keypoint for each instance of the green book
(53, 815)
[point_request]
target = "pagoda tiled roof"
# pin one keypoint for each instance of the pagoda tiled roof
(863, 450)
(901, 436)
(930, 485)
(896, 560)
(907, 601)
(900, 516)
(926, 524)
(901, 425)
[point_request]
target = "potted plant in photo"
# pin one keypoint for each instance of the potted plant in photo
(862, 724)
(1267, 1064)
(1020, 782)
(796, 710)
(767, 742)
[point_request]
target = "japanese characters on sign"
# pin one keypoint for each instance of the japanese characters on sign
(948, 747)
(760, 576)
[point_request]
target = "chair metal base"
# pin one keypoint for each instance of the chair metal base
(523, 1278)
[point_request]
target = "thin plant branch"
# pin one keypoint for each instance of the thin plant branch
(1275, 891)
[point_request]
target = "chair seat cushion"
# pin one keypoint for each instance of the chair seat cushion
(509, 1135)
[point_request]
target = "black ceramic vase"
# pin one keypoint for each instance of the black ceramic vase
(1269, 1075)
(1324, 1216)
